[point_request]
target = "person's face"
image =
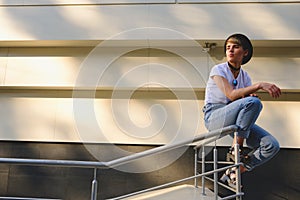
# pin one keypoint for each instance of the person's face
(235, 52)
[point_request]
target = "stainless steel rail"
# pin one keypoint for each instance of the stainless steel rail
(236, 165)
(54, 163)
(117, 162)
(21, 198)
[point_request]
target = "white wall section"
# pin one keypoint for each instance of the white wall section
(138, 68)
(272, 21)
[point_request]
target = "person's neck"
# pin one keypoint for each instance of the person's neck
(235, 70)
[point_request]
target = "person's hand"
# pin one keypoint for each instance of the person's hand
(272, 89)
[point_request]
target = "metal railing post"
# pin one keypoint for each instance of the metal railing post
(203, 170)
(94, 186)
(238, 168)
(216, 173)
(196, 168)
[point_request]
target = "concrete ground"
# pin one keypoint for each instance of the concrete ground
(176, 193)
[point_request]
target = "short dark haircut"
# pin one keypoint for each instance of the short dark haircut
(244, 42)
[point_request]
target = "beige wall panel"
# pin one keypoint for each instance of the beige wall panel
(109, 67)
(3, 64)
(79, 2)
(58, 2)
(112, 67)
(199, 21)
(65, 126)
(41, 71)
(136, 1)
(30, 119)
(109, 121)
(135, 121)
(165, 67)
(42, 66)
(284, 72)
(72, 2)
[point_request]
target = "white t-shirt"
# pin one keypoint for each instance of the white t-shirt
(213, 94)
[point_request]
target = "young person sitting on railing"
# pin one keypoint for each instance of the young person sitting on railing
(230, 99)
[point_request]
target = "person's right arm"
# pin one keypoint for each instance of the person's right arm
(234, 94)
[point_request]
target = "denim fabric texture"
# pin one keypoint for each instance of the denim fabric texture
(243, 113)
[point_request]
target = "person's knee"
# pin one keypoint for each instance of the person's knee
(255, 102)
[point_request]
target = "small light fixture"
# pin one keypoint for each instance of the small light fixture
(209, 46)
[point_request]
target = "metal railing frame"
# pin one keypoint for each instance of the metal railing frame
(123, 160)
(238, 193)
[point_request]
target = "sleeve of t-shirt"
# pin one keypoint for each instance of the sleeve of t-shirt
(217, 71)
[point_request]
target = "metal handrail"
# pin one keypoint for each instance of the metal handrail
(161, 149)
(120, 161)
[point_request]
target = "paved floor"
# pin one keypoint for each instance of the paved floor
(182, 192)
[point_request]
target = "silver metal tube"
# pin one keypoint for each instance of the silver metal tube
(238, 169)
(165, 148)
(221, 184)
(233, 196)
(203, 170)
(219, 162)
(216, 173)
(94, 186)
(119, 161)
(196, 167)
(54, 163)
(225, 131)
(26, 198)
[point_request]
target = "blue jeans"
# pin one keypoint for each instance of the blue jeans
(243, 113)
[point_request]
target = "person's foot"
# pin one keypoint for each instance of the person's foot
(244, 157)
(229, 177)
